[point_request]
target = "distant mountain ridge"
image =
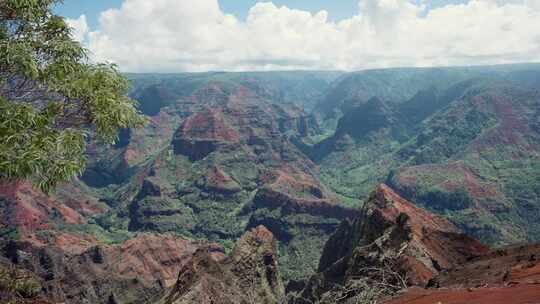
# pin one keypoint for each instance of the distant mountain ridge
(298, 153)
(470, 124)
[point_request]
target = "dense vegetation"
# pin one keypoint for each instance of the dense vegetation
(224, 152)
(455, 147)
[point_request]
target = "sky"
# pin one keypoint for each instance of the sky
(241, 35)
(337, 9)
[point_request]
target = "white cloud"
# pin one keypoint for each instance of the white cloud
(172, 36)
(79, 27)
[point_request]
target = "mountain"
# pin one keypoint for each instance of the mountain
(303, 89)
(391, 238)
(230, 165)
(467, 149)
(298, 153)
(395, 252)
(145, 269)
(400, 85)
(211, 164)
(249, 275)
(70, 268)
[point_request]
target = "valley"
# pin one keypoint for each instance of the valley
(279, 183)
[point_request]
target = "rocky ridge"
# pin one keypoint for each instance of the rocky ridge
(90, 272)
(224, 153)
(248, 275)
(390, 237)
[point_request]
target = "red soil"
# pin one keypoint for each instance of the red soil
(291, 182)
(208, 124)
(464, 178)
(503, 276)
(433, 235)
(32, 209)
(517, 264)
(241, 95)
(526, 273)
(419, 218)
(130, 156)
(74, 243)
(149, 256)
(72, 196)
(271, 198)
(162, 128)
(519, 294)
(216, 177)
(512, 124)
(262, 234)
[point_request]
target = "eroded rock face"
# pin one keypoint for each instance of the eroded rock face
(255, 264)
(249, 275)
(505, 275)
(522, 294)
(272, 199)
(89, 272)
(218, 181)
(232, 166)
(423, 243)
(203, 133)
(513, 265)
(27, 210)
(391, 233)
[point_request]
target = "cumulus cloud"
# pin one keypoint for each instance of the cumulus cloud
(79, 27)
(173, 36)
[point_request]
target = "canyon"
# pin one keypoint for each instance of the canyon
(296, 187)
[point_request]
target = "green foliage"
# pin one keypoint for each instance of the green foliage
(444, 136)
(33, 147)
(17, 286)
(474, 117)
(301, 238)
(440, 200)
(51, 96)
(103, 235)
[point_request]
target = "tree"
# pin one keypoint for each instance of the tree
(53, 99)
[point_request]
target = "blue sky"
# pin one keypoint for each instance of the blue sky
(338, 9)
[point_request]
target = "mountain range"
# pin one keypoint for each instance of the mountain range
(271, 182)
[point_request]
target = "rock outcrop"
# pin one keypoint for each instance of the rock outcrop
(25, 209)
(391, 235)
(203, 133)
(519, 294)
(72, 269)
(502, 276)
(248, 276)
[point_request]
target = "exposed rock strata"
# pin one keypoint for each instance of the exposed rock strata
(248, 276)
(391, 233)
(77, 270)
